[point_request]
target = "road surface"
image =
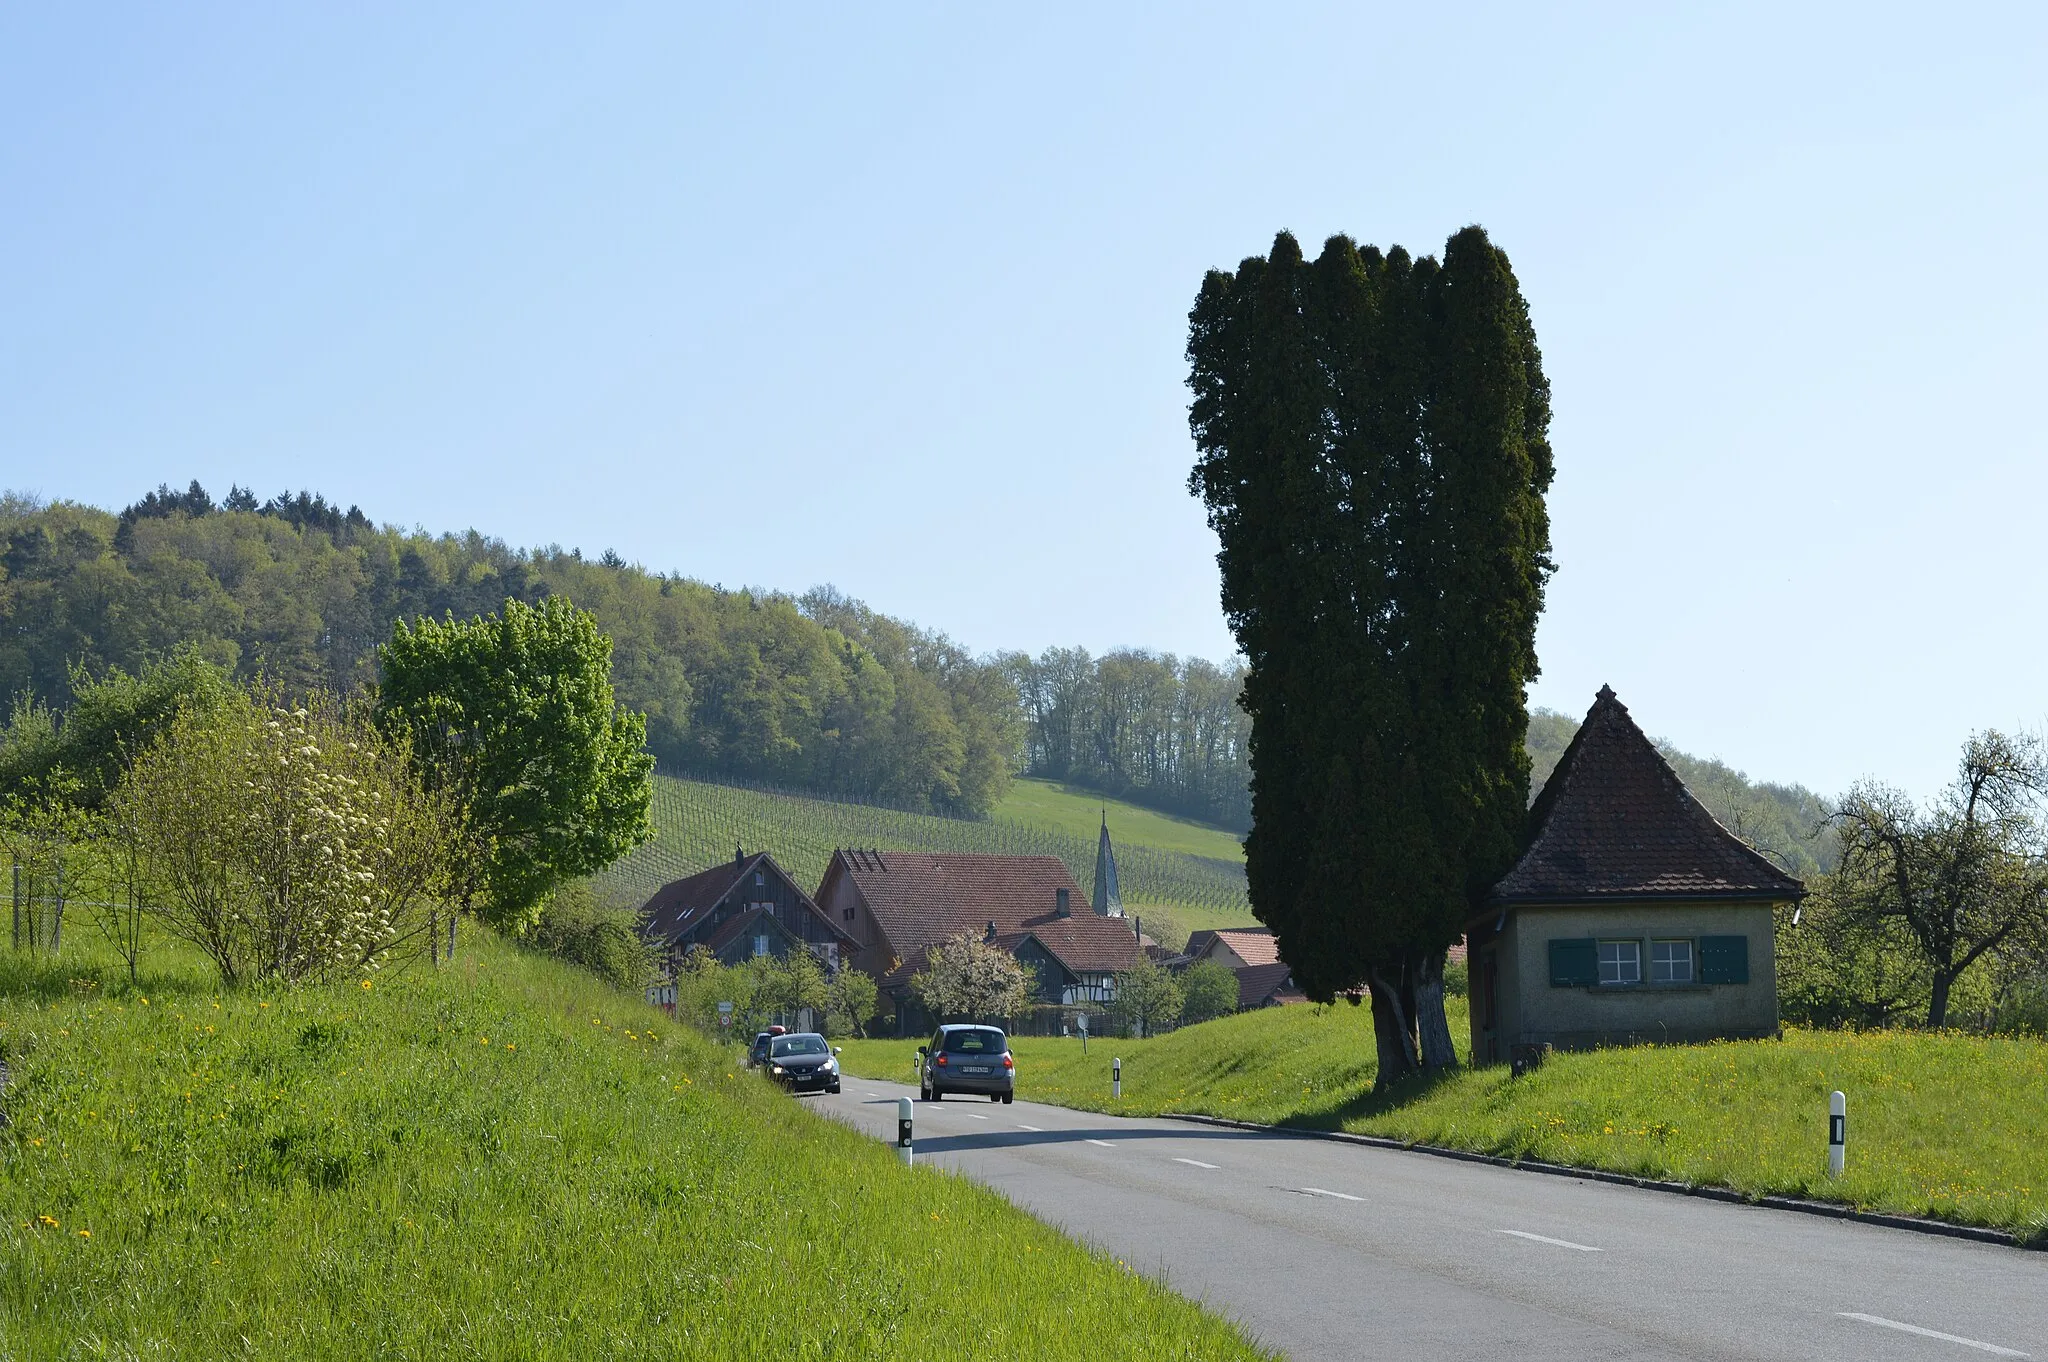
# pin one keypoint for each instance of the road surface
(1329, 1250)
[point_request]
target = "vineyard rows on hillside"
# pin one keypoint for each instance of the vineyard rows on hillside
(698, 824)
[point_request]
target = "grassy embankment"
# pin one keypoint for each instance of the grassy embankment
(1178, 875)
(1940, 1125)
(507, 1159)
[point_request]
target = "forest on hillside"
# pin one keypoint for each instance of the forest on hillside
(815, 692)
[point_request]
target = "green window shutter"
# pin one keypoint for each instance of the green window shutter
(1574, 962)
(1724, 959)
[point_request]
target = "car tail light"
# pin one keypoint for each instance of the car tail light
(940, 1061)
(1009, 1063)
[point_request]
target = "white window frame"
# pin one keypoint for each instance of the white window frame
(1625, 968)
(1663, 961)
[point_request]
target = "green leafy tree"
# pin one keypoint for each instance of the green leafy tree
(111, 717)
(1373, 453)
(972, 978)
(852, 1001)
(1148, 999)
(512, 716)
(1209, 990)
(604, 938)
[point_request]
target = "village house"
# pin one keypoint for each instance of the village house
(899, 904)
(745, 908)
(1632, 915)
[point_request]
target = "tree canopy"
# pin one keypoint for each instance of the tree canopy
(1373, 451)
(512, 717)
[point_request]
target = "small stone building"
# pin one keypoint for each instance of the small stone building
(1632, 916)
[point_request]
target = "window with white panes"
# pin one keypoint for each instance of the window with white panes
(1671, 962)
(1621, 962)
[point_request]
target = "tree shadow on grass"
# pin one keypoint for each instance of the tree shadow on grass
(1370, 1103)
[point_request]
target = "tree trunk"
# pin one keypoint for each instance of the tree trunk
(1396, 1041)
(1937, 1002)
(1438, 1052)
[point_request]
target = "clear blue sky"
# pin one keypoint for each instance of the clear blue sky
(896, 299)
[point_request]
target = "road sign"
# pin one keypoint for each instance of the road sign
(725, 1014)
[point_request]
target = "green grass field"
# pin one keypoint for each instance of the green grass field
(1048, 804)
(505, 1159)
(1941, 1125)
(1180, 877)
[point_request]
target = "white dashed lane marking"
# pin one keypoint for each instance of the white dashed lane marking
(1036, 1130)
(1884, 1323)
(971, 1116)
(1323, 1191)
(1104, 1143)
(1546, 1239)
(1197, 1163)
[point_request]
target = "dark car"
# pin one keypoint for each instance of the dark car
(972, 1059)
(757, 1053)
(803, 1062)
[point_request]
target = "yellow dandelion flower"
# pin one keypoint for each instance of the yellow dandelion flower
(85, 1234)
(49, 1220)
(366, 985)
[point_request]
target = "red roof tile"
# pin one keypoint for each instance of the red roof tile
(1614, 821)
(920, 899)
(1253, 945)
(1258, 985)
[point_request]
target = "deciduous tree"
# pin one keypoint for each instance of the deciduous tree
(1965, 877)
(972, 978)
(512, 716)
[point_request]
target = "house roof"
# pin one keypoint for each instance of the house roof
(742, 924)
(920, 899)
(1254, 945)
(1259, 984)
(1614, 821)
(680, 905)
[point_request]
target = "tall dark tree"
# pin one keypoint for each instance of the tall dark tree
(1373, 437)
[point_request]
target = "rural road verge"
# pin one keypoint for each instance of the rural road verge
(1832, 1210)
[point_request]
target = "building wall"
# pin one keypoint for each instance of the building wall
(1532, 1011)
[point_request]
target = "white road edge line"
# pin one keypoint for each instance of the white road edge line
(1546, 1239)
(1884, 1323)
(1197, 1163)
(1323, 1191)
(1104, 1143)
(1036, 1130)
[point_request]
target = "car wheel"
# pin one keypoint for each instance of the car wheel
(995, 1097)
(937, 1095)
(1006, 1099)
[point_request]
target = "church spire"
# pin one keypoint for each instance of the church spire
(1109, 900)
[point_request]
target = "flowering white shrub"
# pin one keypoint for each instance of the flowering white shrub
(287, 842)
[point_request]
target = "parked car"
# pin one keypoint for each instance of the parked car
(966, 1059)
(757, 1053)
(803, 1062)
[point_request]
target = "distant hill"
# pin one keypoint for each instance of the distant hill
(699, 823)
(1782, 821)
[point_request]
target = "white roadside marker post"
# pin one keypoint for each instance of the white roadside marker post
(903, 1119)
(1838, 1133)
(1116, 1079)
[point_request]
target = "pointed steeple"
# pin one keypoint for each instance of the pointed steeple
(1109, 900)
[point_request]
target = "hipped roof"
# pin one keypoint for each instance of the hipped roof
(1615, 822)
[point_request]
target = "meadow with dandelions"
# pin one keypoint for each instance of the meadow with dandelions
(500, 1158)
(1941, 1124)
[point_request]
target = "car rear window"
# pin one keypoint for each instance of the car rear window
(980, 1041)
(798, 1045)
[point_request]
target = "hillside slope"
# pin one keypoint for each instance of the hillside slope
(698, 823)
(505, 1159)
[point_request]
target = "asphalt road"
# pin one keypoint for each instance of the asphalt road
(1328, 1250)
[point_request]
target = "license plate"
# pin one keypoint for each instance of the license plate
(974, 1069)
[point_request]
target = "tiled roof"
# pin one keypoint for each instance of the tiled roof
(1254, 945)
(1614, 821)
(1258, 984)
(674, 906)
(921, 899)
(679, 905)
